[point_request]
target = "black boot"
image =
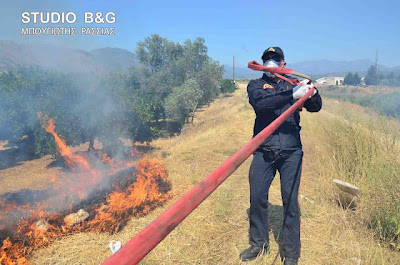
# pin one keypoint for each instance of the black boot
(290, 261)
(253, 252)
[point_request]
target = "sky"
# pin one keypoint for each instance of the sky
(305, 30)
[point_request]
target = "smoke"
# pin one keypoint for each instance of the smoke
(86, 179)
(70, 86)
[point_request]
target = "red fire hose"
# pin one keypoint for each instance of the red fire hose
(276, 70)
(138, 247)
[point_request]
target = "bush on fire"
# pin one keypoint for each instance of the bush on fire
(26, 91)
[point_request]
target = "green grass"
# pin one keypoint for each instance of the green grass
(368, 156)
(386, 101)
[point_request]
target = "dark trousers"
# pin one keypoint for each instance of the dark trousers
(262, 171)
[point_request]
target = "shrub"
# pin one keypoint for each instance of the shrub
(182, 102)
(331, 88)
(227, 86)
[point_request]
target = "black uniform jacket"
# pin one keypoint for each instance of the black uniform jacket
(269, 100)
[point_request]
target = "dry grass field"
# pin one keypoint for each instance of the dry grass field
(217, 231)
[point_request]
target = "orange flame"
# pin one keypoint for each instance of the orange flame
(70, 158)
(150, 190)
(9, 247)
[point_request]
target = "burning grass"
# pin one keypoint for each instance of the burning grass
(110, 199)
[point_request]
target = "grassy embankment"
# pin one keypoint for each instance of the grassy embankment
(381, 98)
(341, 141)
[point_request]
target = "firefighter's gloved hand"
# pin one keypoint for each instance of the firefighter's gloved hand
(305, 82)
(300, 90)
(315, 91)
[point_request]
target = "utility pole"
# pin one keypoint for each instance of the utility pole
(233, 70)
(376, 68)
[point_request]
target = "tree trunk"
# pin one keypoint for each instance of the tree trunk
(91, 144)
(194, 111)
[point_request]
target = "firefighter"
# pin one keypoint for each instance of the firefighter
(270, 96)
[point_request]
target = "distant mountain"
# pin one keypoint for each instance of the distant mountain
(395, 69)
(315, 68)
(12, 54)
(118, 59)
(240, 72)
(327, 66)
(66, 59)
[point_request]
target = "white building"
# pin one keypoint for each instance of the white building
(330, 80)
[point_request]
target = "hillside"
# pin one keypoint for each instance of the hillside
(118, 59)
(216, 232)
(65, 59)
